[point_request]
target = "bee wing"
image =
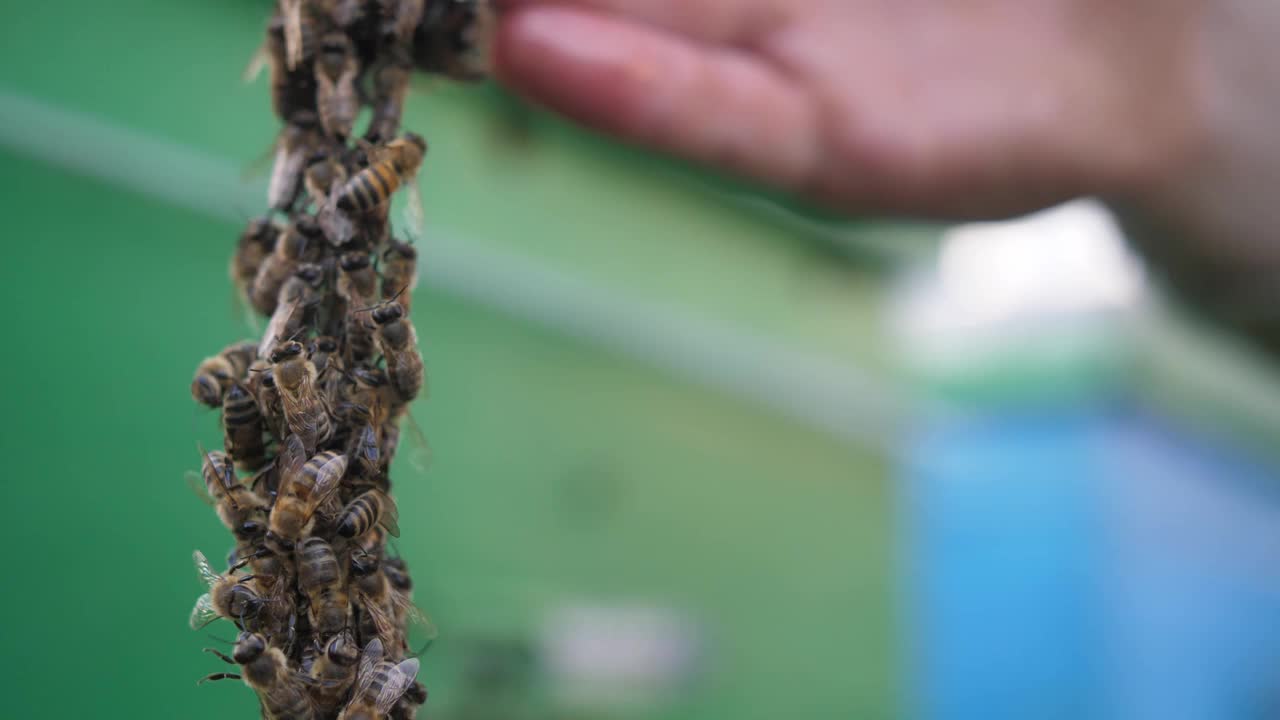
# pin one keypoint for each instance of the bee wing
(369, 659)
(421, 455)
(328, 479)
(256, 64)
(399, 678)
(204, 569)
(383, 622)
(293, 456)
(390, 518)
(293, 31)
(414, 217)
(203, 613)
(196, 483)
(278, 324)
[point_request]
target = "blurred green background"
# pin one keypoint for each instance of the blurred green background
(606, 338)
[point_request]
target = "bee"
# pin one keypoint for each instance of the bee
(398, 342)
(364, 444)
(263, 387)
(304, 487)
(242, 428)
(333, 672)
(373, 507)
(293, 248)
(297, 142)
(454, 39)
(382, 611)
(400, 20)
(357, 283)
(379, 684)
(397, 572)
(229, 596)
(322, 580)
(299, 294)
(305, 410)
(241, 510)
(400, 273)
(336, 69)
(390, 86)
(215, 375)
(390, 166)
(256, 243)
(266, 669)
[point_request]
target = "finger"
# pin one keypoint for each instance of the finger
(648, 86)
(713, 21)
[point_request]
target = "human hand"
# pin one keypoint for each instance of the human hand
(923, 107)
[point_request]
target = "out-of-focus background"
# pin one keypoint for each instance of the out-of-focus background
(691, 455)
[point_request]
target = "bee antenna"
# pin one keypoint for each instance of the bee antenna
(426, 646)
(224, 641)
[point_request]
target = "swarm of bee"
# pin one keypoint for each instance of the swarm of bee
(312, 411)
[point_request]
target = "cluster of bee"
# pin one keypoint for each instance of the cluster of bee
(312, 412)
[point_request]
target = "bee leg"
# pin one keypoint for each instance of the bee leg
(217, 676)
(223, 657)
(293, 633)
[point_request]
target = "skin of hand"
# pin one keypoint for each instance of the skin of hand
(927, 107)
(1167, 109)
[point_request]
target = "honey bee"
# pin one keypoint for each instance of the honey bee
(336, 69)
(400, 20)
(333, 672)
(241, 510)
(242, 428)
(263, 386)
(454, 39)
(400, 273)
(305, 411)
(298, 295)
(397, 572)
(357, 283)
(364, 445)
(321, 579)
(294, 147)
(390, 86)
(304, 487)
(256, 243)
(373, 507)
(398, 342)
(215, 375)
(379, 684)
(390, 166)
(382, 611)
(229, 596)
(293, 247)
(266, 669)
(292, 91)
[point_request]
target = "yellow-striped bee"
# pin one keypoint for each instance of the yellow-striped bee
(390, 166)
(266, 670)
(215, 375)
(305, 485)
(305, 410)
(379, 684)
